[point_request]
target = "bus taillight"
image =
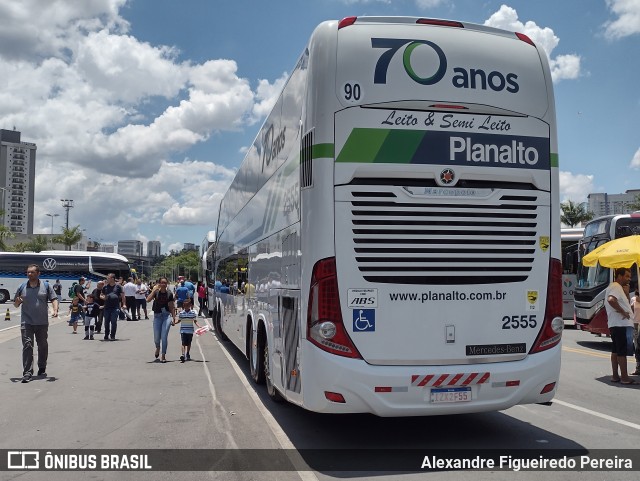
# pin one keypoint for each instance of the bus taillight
(440, 23)
(525, 38)
(552, 326)
(346, 21)
(325, 328)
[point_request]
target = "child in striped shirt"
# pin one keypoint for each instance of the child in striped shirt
(187, 318)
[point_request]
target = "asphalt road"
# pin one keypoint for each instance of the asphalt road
(112, 395)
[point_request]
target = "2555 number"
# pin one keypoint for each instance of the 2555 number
(523, 321)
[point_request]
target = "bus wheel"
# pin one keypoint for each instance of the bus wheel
(217, 324)
(4, 296)
(256, 354)
(271, 389)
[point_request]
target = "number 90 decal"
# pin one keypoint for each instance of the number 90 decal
(519, 321)
(351, 92)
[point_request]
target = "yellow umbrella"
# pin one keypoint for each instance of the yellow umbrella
(622, 252)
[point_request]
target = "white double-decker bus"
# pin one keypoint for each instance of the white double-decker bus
(391, 242)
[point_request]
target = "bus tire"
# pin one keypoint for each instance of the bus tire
(273, 393)
(217, 325)
(257, 341)
(4, 296)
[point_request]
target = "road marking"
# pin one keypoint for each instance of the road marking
(277, 431)
(597, 414)
(227, 429)
(630, 359)
(585, 352)
(7, 328)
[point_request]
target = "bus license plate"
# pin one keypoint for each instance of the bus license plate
(451, 395)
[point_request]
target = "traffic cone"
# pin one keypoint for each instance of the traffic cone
(7, 316)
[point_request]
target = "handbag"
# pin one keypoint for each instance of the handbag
(121, 315)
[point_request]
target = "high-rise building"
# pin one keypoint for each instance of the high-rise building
(130, 247)
(153, 248)
(17, 182)
(110, 248)
(188, 246)
(609, 204)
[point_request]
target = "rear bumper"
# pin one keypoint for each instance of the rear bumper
(356, 381)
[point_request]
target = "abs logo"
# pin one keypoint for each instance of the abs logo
(467, 78)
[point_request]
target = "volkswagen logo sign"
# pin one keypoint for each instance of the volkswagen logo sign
(49, 264)
(447, 176)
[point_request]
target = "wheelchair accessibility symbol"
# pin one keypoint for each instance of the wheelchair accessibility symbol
(364, 320)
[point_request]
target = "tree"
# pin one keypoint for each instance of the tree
(37, 244)
(5, 233)
(69, 237)
(573, 213)
(177, 264)
(635, 205)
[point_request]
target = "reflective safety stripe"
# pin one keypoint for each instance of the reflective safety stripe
(458, 379)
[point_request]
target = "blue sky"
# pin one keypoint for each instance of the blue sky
(142, 109)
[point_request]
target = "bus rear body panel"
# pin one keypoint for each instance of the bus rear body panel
(428, 177)
(443, 216)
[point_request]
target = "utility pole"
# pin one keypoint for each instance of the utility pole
(67, 204)
(52, 216)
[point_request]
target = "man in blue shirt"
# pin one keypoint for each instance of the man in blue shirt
(192, 289)
(182, 293)
(33, 296)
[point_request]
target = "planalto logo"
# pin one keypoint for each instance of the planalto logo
(272, 145)
(467, 78)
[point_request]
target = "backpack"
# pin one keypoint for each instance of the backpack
(72, 291)
(46, 286)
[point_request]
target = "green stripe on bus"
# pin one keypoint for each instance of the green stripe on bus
(400, 146)
(322, 151)
(555, 161)
(363, 145)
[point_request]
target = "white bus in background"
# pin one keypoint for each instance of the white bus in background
(569, 237)
(590, 313)
(68, 266)
(397, 218)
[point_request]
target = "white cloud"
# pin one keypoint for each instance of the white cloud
(628, 19)
(575, 187)
(562, 66)
(111, 207)
(32, 29)
(267, 95)
(176, 246)
(635, 162)
(79, 86)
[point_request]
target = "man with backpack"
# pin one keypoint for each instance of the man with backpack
(33, 296)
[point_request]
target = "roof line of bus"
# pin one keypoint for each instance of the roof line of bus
(434, 22)
(72, 254)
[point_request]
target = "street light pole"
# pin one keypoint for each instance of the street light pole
(67, 204)
(52, 216)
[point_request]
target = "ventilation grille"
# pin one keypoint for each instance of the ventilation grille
(306, 151)
(434, 243)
